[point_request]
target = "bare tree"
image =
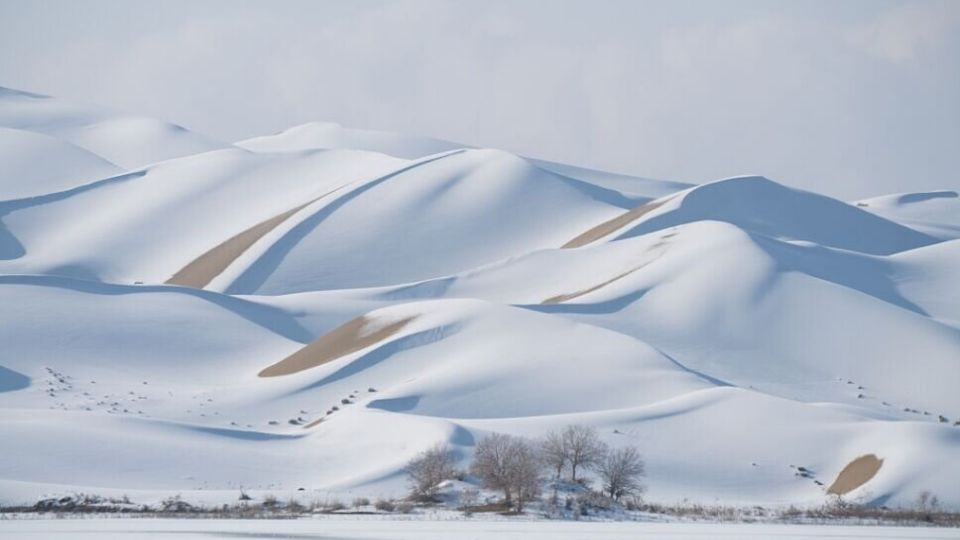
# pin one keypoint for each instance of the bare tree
(429, 468)
(491, 463)
(554, 452)
(583, 447)
(509, 464)
(525, 466)
(621, 471)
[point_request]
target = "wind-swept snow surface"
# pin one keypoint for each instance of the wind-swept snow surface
(312, 309)
(128, 141)
(116, 529)
(327, 135)
(34, 163)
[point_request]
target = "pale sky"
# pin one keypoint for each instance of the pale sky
(849, 98)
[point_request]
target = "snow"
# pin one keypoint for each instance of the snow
(155, 221)
(326, 135)
(760, 205)
(32, 164)
(391, 529)
(390, 222)
(128, 141)
(936, 213)
(734, 332)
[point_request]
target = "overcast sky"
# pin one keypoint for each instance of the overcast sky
(850, 98)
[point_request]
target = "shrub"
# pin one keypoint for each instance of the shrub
(175, 503)
(385, 505)
(591, 500)
(334, 505)
(469, 497)
(927, 502)
(361, 501)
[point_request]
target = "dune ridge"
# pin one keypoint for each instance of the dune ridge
(201, 271)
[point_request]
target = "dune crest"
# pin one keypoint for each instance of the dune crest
(347, 338)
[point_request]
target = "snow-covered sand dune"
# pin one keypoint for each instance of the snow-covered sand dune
(313, 308)
(126, 140)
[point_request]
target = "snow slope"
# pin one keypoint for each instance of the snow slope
(153, 222)
(33, 164)
(936, 213)
(326, 135)
(311, 309)
(127, 141)
(760, 205)
(390, 222)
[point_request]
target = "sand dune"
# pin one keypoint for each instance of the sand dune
(427, 302)
(857, 473)
(204, 268)
(612, 225)
(347, 338)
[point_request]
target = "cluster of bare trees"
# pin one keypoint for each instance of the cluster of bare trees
(509, 464)
(575, 447)
(578, 447)
(515, 465)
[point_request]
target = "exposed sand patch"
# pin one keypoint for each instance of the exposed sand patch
(663, 241)
(314, 423)
(857, 473)
(612, 225)
(347, 338)
(564, 297)
(201, 271)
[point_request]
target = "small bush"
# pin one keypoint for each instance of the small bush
(469, 497)
(594, 501)
(385, 505)
(334, 506)
(175, 503)
(361, 501)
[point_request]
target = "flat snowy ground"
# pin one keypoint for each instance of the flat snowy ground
(115, 529)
